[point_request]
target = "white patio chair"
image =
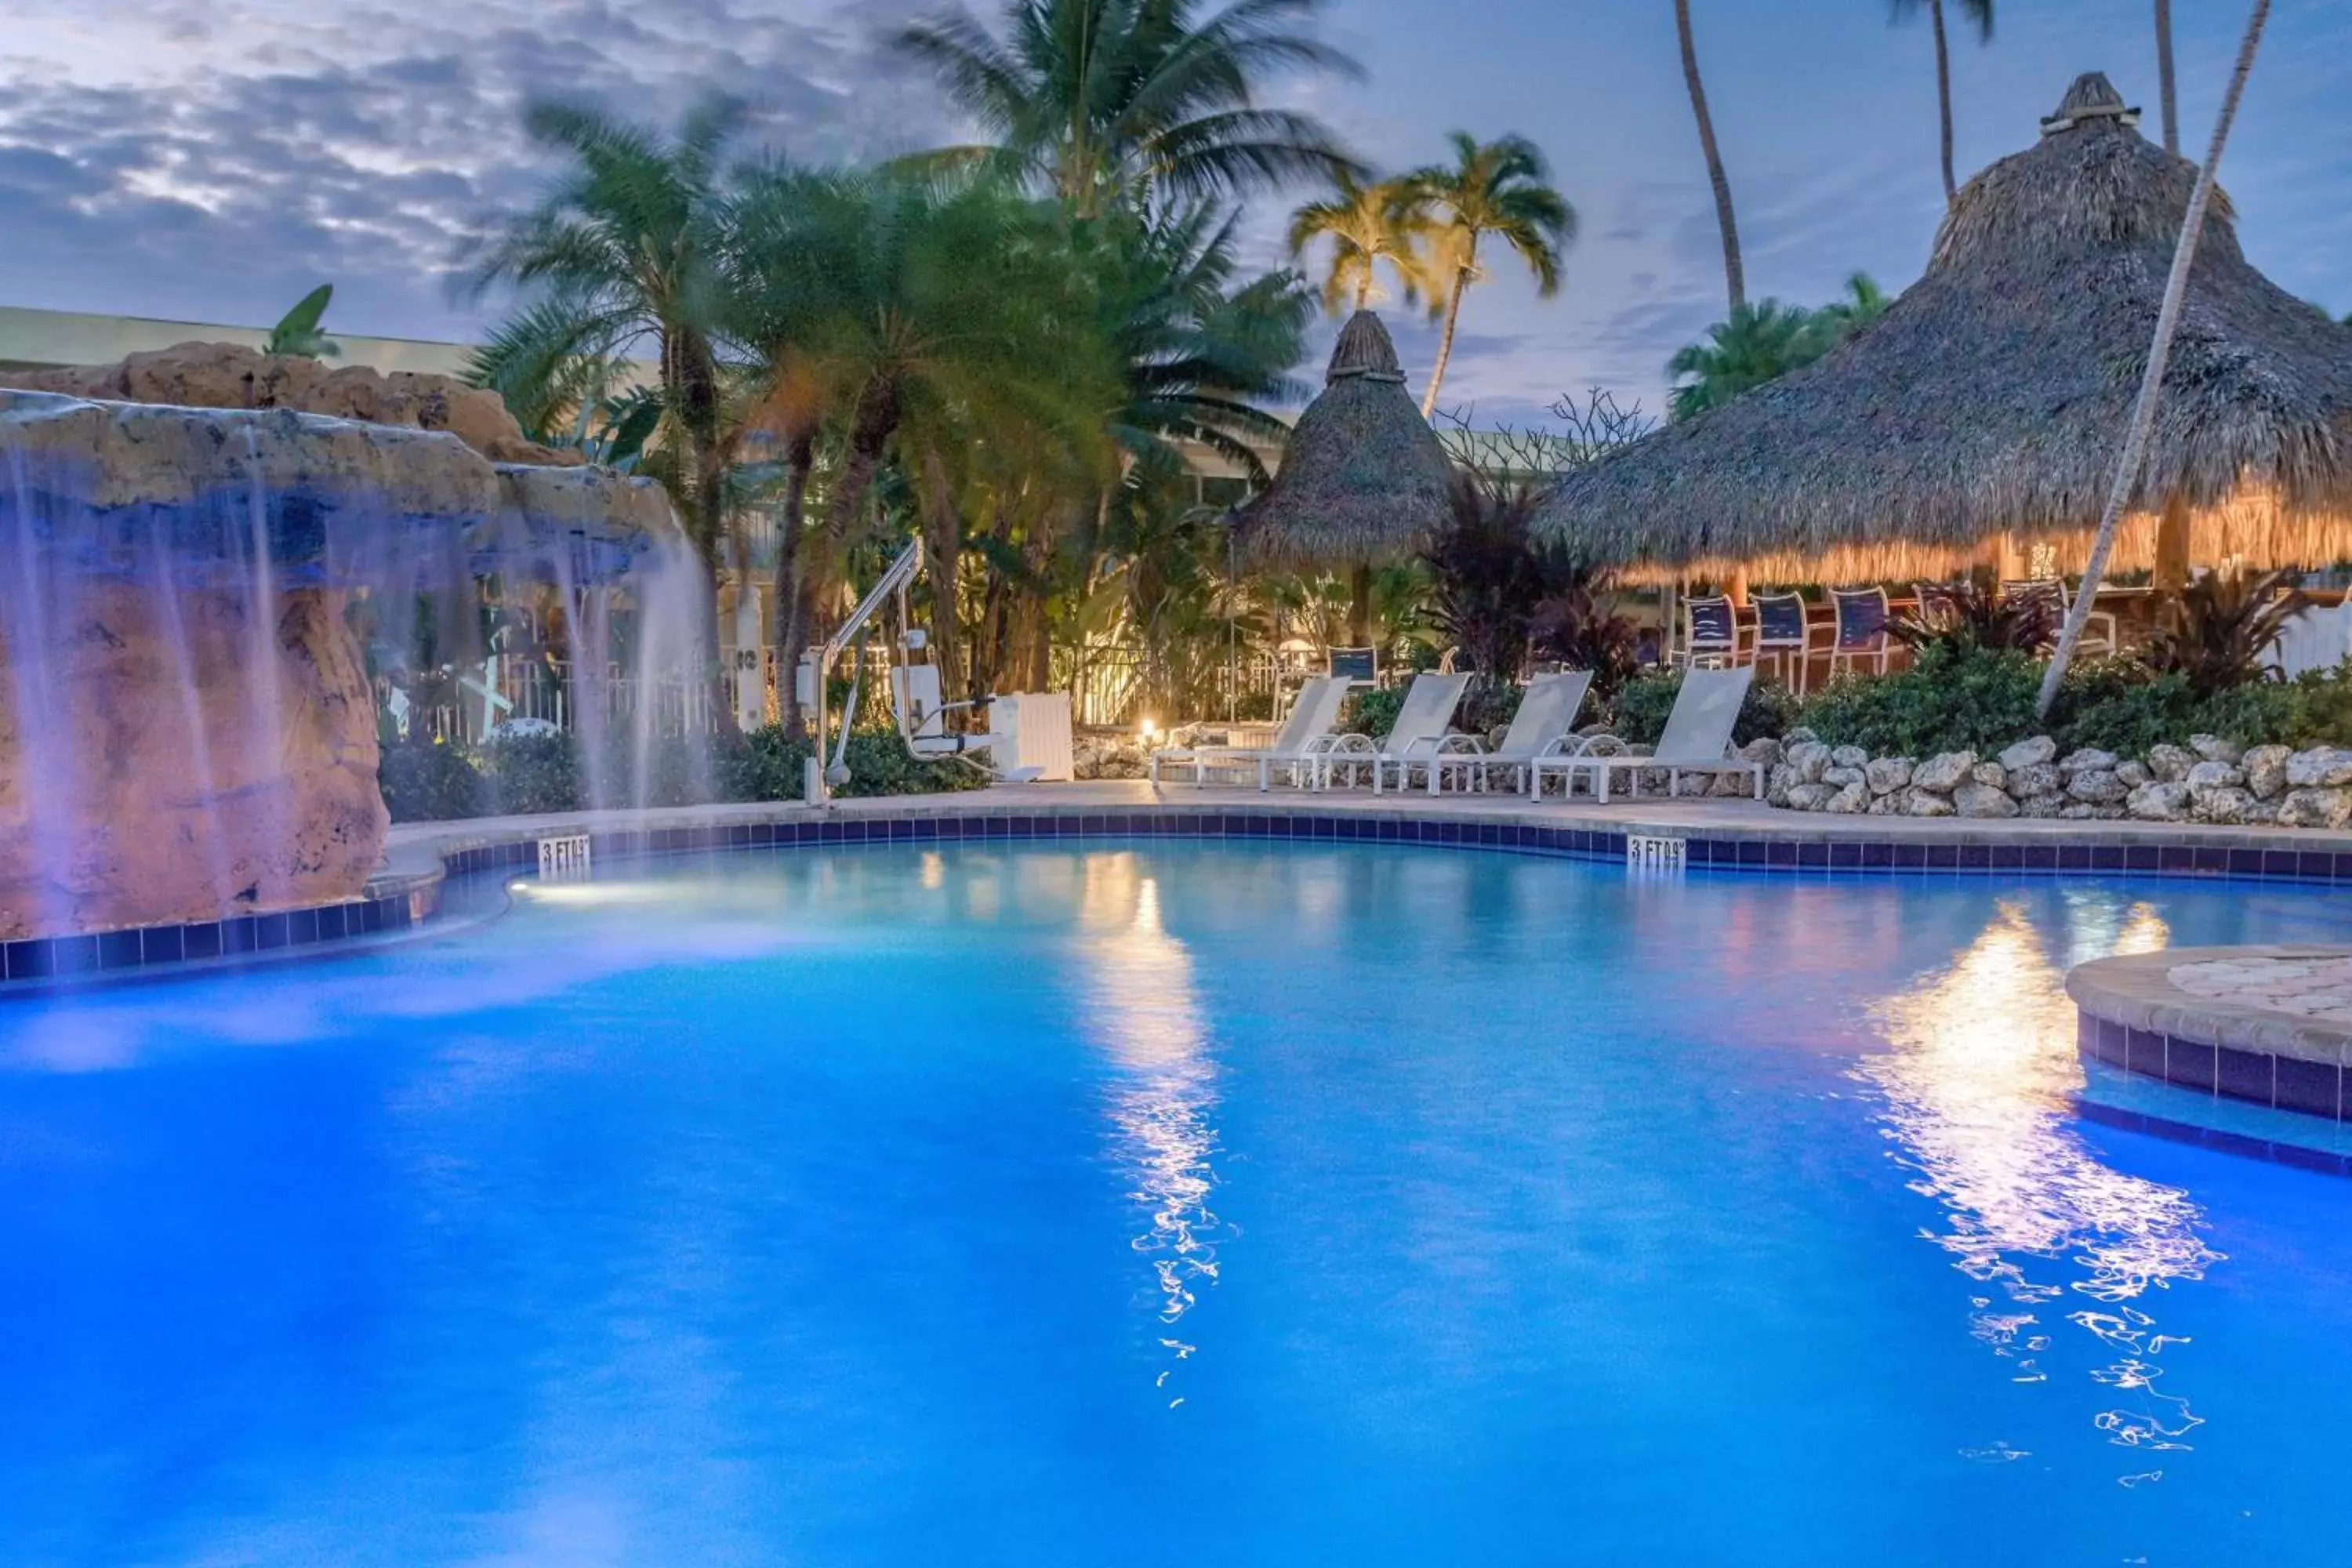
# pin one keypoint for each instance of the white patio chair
(1305, 736)
(1544, 726)
(1698, 740)
(1421, 728)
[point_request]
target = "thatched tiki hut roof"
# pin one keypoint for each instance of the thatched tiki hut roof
(1992, 399)
(1363, 476)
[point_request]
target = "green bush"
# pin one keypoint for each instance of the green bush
(428, 783)
(530, 773)
(424, 780)
(2319, 710)
(1372, 711)
(1952, 698)
(1644, 701)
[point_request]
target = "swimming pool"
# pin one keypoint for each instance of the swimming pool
(1081, 1203)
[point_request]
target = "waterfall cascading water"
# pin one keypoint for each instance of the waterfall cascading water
(190, 605)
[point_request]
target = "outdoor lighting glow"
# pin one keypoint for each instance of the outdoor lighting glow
(1147, 728)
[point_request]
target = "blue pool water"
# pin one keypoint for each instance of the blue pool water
(1248, 1205)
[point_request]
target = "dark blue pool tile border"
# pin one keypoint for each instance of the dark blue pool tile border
(68, 959)
(2322, 1162)
(54, 960)
(2256, 1077)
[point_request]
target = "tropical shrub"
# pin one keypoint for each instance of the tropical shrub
(1951, 698)
(530, 773)
(1969, 615)
(428, 781)
(2216, 630)
(1645, 702)
(1486, 577)
(1372, 711)
(1577, 624)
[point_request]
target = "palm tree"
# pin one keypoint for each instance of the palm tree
(1098, 100)
(1735, 277)
(928, 317)
(1367, 225)
(1977, 11)
(1499, 189)
(1863, 302)
(1756, 344)
(622, 255)
(2164, 76)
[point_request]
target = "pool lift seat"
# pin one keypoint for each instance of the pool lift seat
(916, 702)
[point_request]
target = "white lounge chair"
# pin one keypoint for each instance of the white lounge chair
(1304, 735)
(922, 720)
(1421, 729)
(1698, 740)
(1543, 727)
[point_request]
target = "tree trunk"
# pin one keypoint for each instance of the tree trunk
(1360, 606)
(1734, 279)
(2172, 563)
(1445, 342)
(2171, 104)
(943, 543)
(2159, 355)
(1944, 94)
(791, 605)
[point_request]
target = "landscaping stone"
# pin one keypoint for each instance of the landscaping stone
(2045, 806)
(1886, 805)
(2260, 814)
(2134, 774)
(1798, 736)
(2213, 776)
(2097, 786)
(1849, 757)
(1973, 799)
(1843, 776)
(2322, 767)
(2266, 770)
(1926, 803)
(1943, 772)
(1783, 778)
(2159, 800)
(2171, 764)
(1764, 750)
(2032, 779)
(2316, 808)
(2088, 761)
(2224, 805)
(2029, 754)
(1851, 801)
(2087, 811)
(1810, 797)
(2215, 749)
(1811, 759)
(1992, 775)
(1885, 775)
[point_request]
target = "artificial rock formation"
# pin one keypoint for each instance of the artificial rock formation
(225, 375)
(185, 765)
(187, 727)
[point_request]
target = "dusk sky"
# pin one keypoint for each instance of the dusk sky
(212, 160)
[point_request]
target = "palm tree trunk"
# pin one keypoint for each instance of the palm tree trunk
(1445, 342)
(944, 543)
(1360, 606)
(2159, 355)
(792, 606)
(2164, 77)
(1734, 277)
(1944, 94)
(1364, 287)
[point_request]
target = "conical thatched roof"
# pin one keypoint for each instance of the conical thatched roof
(1993, 395)
(1363, 476)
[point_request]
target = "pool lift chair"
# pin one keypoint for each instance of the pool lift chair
(915, 703)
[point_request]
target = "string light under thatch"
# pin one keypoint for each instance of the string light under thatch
(1363, 478)
(1989, 399)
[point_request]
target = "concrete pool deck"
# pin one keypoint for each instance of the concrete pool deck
(1759, 835)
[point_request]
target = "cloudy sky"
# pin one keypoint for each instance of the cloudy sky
(212, 160)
